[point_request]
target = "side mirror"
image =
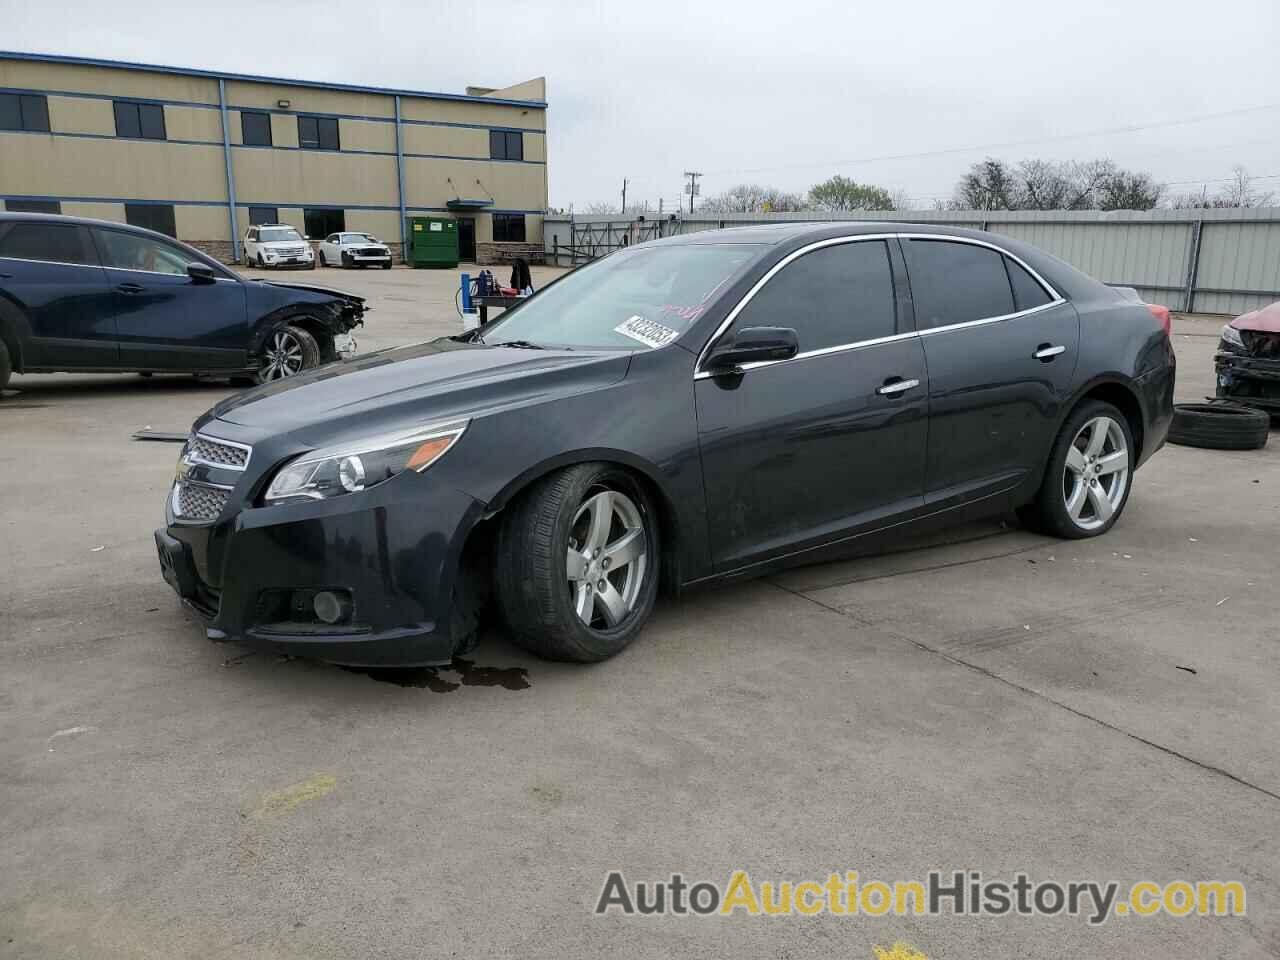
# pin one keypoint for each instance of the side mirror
(200, 272)
(752, 345)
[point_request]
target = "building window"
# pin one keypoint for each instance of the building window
(264, 215)
(24, 111)
(508, 228)
(319, 223)
(506, 145)
(33, 206)
(153, 216)
(255, 129)
(318, 133)
(143, 121)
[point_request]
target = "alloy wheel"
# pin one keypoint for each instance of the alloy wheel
(283, 356)
(1096, 475)
(607, 558)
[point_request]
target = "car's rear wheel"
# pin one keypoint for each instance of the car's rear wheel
(577, 563)
(287, 352)
(1087, 482)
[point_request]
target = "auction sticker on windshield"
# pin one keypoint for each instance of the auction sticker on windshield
(649, 332)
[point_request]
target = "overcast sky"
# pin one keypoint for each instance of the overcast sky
(779, 93)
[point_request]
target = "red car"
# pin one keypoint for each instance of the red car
(1248, 359)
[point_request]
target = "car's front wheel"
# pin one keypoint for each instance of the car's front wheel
(287, 351)
(1087, 481)
(577, 564)
(322, 261)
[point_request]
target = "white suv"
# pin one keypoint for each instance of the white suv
(277, 245)
(354, 250)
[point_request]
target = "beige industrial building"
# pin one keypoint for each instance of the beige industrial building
(201, 154)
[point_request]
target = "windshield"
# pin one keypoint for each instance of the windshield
(359, 238)
(276, 234)
(638, 297)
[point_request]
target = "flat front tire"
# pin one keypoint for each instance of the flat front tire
(577, 563)
(1090, 472)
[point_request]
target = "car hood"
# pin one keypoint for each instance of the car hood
(425, 381)
(315, 288)
(1265, 320)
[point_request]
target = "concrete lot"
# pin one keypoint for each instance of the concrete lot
(990, 700)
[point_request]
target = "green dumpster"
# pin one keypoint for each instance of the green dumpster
(433, 241)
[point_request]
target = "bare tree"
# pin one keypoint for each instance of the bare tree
(1049, 185)
(600, 208)
(753, 198)
(1240, 192)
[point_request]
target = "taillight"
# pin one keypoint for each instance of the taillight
(1161, 314)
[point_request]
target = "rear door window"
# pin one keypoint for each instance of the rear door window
(956, 282)
(49, 242)
(1027, 292)
(832, 296)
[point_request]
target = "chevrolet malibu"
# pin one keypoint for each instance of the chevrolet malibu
(684, 411)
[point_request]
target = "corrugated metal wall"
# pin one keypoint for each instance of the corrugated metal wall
(1212, 261)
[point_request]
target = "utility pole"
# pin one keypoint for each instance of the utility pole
(624, 196)
(693, 176)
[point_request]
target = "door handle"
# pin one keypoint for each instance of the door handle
(131, 288)
(892, 388)
(1047, 351)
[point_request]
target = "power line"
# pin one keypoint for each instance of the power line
(1132, 128)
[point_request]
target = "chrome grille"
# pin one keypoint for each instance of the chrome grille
(217, 453)
(193, 501)
(290, 251)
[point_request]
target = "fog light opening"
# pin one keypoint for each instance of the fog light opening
(331, 606)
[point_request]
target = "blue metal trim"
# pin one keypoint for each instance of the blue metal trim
(476, 126)
(447, 156)
(288, 204)
(108, 96)
(231, 176)
(112, 136)
(251, 78)
(404, 226)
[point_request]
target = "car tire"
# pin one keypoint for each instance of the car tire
(555, 611)
(313, 264)
(346, 262)
(262, 264)
(1089, 475)
(6, 365)
(387, 265)
(1219, 426)
(322, 260)
(286, 352)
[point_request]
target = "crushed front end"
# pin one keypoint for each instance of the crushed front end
(1247, 363)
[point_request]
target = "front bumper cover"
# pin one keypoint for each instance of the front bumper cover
(398, 560)
(1254, 381)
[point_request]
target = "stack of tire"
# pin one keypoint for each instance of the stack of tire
(1219, 426)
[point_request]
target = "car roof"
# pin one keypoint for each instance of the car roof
(774, 233)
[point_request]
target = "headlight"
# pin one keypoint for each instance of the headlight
(1231, 337)
(359, 465)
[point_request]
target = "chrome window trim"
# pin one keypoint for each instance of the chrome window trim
(1056, 300)
(55, 263)
(248, 455)
(158, 273)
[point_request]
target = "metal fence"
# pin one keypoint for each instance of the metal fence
(1207, 261)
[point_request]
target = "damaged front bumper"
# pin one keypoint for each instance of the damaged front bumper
(1254, 381)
